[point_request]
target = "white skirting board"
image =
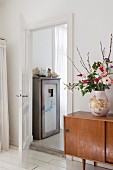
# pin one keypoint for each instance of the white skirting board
(13, 142)
(88, 162)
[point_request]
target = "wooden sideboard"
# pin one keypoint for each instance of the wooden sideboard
(89, 137)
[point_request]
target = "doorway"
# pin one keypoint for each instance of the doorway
(50, 44)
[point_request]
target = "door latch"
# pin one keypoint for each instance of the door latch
(18, 95)
(21, 95)
(24, 95)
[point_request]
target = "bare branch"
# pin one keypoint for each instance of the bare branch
(74, 64)
(80, 57)
(81, 61)
(110, 46)
(89, 62)
(102, 50)
(82, 64)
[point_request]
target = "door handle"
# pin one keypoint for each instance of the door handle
(21, 95)
(67, 130)
(18, 95)
(24, 95)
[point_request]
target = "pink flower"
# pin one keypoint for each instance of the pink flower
(80, 75)
(102, 69)
(104, 74)
(85, 81)
(96, 80)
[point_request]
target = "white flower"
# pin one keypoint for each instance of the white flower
(106, 80)
(100, 81)
(96, 76)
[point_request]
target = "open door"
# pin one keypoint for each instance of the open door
(24, 90)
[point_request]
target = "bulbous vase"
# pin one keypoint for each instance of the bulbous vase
(99, 104)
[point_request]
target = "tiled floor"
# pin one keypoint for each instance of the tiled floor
(38, 161)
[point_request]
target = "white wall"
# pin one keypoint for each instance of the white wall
(93, 22)
(9, 28)
(42, 48)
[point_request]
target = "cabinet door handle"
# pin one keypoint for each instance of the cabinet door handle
(67, 130)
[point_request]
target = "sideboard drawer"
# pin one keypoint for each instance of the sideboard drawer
(109, 142)
(84, 138)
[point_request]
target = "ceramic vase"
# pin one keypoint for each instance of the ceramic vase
(99, 104)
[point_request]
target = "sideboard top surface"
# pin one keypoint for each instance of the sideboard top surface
(88, 115)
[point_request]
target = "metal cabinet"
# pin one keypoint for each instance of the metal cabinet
(46, 107)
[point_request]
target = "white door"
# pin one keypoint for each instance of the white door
(24, 108)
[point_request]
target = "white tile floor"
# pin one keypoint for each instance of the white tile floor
(35, 160)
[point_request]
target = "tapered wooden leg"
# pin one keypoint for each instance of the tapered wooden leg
(83, 163)
(94, 163)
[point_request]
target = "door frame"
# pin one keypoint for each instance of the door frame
(69, 20)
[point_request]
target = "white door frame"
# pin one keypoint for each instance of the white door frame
(69, 20)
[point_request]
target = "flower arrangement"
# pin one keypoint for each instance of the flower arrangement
(98, 75)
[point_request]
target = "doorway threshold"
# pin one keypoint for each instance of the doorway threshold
(48, 150)
(53, 145)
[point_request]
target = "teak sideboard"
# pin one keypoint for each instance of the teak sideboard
(89, 137)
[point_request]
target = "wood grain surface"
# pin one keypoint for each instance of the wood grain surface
(109, 142)
(88, 115)
(85, 138)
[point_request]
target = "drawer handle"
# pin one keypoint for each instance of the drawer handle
(67, 130)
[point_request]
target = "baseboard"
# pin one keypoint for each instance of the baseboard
(14, 147)
(13, 142)
(104, 166)
(31, 138)
(88, 162)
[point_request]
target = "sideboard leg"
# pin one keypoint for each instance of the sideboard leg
(83, 163)
(94, 163)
